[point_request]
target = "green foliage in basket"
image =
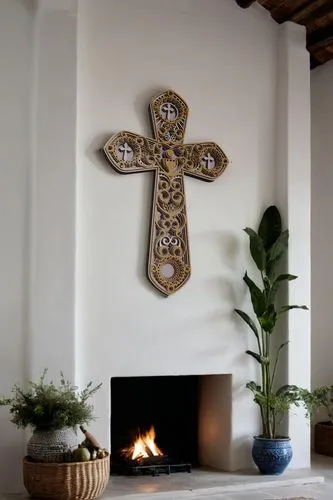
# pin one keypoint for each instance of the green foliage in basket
(318, 399)
(46, 406)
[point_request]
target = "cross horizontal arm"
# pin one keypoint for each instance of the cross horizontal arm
(129, 153)
(205, 161)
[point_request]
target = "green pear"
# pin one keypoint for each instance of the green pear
(81, 455)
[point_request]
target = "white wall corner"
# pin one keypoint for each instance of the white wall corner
(293, 195)
(17, 22)
(293, 31)
(53, 245)
(321, 240)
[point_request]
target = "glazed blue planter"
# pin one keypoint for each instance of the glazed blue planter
(271, 456)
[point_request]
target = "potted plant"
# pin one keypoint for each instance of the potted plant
(321, 398)
(56, 467)
(271, 452)
(53, 412)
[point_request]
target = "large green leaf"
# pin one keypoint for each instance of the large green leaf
(257, 296)
(261, 359)
(284, 309)
(249, 321)
(270, 226)
(287, 389)
(286, 277)
(268, 319)
(280, 245)
(267, 284)
(277, 359)
(256, 248)
(255, 388)
(276, 252)
(259, 396)
(276, 285)
(284, 344)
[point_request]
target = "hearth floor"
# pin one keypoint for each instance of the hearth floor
(314, 484)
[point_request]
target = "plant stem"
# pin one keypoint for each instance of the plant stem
(275, 367)
(263, 377)
(269, 386)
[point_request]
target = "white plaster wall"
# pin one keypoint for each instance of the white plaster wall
(222, 60)
(16, 55)
(293, 195)
(321, 228)
(52, 264)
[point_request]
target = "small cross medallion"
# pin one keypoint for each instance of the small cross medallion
(126, 151)
(209, 161)
(169, 111)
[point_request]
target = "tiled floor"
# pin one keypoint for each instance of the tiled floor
(316, 484)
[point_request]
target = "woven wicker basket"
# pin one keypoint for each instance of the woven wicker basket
(323, 438)
(66, 481)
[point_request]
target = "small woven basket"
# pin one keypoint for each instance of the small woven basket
(323, 438)
(66, 481)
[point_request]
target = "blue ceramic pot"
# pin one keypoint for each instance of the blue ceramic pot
(271, 456)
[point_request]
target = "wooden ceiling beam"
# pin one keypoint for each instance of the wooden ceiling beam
(316, 15)
(304, 10)
(320, 38)
(312, 11)
(245, 3)
(313, 62)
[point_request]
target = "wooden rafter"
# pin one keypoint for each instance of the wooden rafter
(315, 15)
(320, 39)
(313, 62)
(245, 3)
(307, 11)
(312, 11)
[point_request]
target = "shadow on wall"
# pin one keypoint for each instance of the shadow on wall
(30, 5)
(97, 157)
(225, 240)
(243, 447)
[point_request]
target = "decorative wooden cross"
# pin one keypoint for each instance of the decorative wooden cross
(169, 258)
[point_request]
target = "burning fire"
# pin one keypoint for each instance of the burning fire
(143, 447)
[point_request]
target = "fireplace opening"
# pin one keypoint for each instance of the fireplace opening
(154, 424)
(164, 424)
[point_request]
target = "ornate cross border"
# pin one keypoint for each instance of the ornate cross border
(169, 258)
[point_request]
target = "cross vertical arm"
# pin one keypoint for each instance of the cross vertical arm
(169, 265)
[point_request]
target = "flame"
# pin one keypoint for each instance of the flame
(144, 446)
